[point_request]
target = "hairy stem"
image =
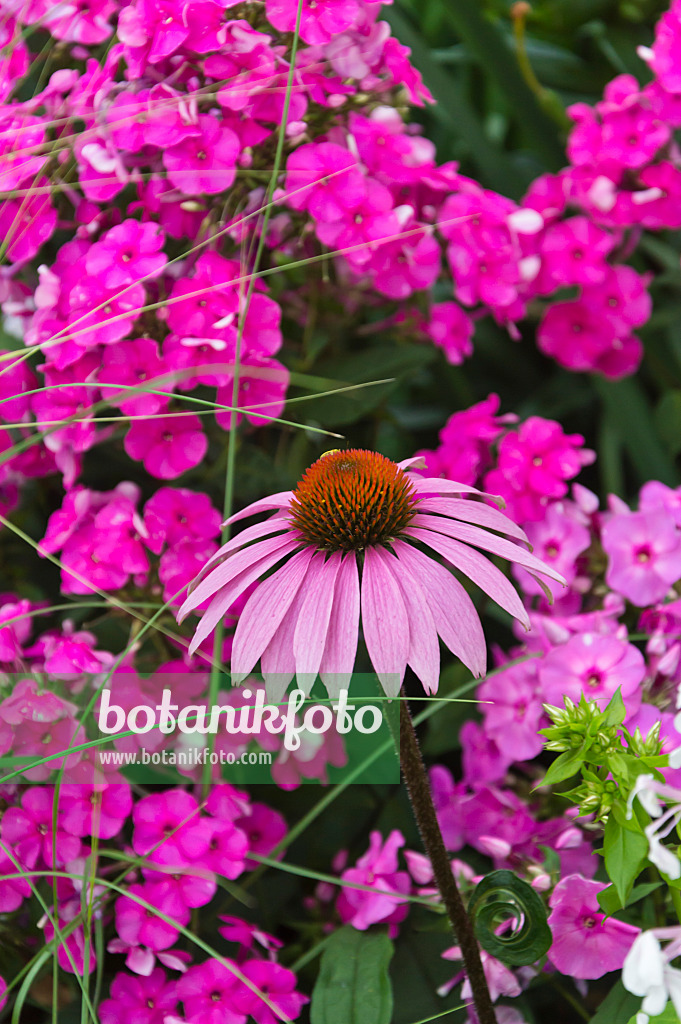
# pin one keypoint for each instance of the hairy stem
(415, 776)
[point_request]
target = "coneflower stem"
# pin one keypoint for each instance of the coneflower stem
(414, 772)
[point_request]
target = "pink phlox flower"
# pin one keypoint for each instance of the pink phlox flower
(261, 395)
(377, 868)
(644, 554)
(501, 981)
(586, 943)
(318, 25)
(138, 925)
(264, 828)
(310, 760)
(451, 330)
(167, 446)
(31, 831)
(515, 711)
(204, 162)
(277, 984)
(234, 929)
(324, 178)
(595, 666)
(533, 466)
(483, 760)
(558, 539)
(134, 363)
(448, 798)
(169, 829)
(100, 810)
(180, 564)
(141, 1002)
(127, 253)
(209, 993)
(182, 888)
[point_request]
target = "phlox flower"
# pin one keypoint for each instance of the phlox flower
(168, 828)
(644, 554)
(533, 466)
(515, 711)
(586, 943)
(209, 992)
(33, 834)
(147, 1001)
(167, 446)
(137, 925)
(353, 534)
(277, 984)
(376, 868)
(319, 22)
(204, 161)
(595, 666)
(128, 252)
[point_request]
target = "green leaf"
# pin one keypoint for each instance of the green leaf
(353, 986)
(615, 711)
(668, 1016)
(501, 895)
(628, 410)
(625, 853)
(564, 767)
(379, 362)
(485, 41)
(617, 1006)
(452, 107)
(610, 903)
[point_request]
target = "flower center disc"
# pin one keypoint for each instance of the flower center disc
(350, 500)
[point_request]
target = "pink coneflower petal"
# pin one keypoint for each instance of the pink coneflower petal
(474, 512)
(313, 622)
(488, 542)
(274, 501)
(437, 487)
(247, 536)
(477, 568)
(424, 647)
(264, 611)
(456, 619)
(277, 661)
(267, 554)
(386, 626)
(341, 639)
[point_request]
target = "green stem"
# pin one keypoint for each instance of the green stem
(416, 779)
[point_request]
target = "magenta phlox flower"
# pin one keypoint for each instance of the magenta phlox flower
(139, 1002)
(595, 666)
(586, 943)
(264, 828)
(483, 761)
(644, 554)
(94, 810)
(277, 984)
(514, 712)
(168, 828)
(534, 464)
(167, 446)
(209, 993)
(318, 24)
(558, 539)
(312, 627)
(377, 868)
(138, 925)
(127, 253)
(31, 831)
(135, 363)
(204, 162)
